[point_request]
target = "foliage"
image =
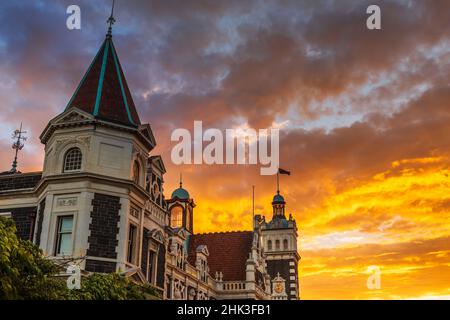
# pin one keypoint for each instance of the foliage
(111, 286)
(26, 274)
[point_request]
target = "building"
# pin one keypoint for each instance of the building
(99, 201)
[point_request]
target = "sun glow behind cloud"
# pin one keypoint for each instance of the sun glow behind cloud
(397, 220)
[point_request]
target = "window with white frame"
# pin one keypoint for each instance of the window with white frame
(72, 160)
(64, 230)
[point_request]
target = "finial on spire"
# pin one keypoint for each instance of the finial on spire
(111, 21)
(17, 145)
(278, 181)
(181, 180)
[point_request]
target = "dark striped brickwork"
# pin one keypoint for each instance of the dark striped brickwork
(19, 181)
(39, 220)
(161, 266)
(282, 266)
(100, 266)
(103, 232)
(24, 219)
(144, 252)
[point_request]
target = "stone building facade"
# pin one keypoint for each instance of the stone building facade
(99, 201)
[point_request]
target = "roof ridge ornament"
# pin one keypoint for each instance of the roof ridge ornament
(17, 145)
(111, 21)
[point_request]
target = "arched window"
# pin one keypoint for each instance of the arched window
(136, 171)
(269, 245)
(72, 160)
(285, 244)
(176, 217)
(277, 244)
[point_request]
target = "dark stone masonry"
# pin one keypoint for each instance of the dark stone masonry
(24, 219)
(161, 266)
(40, 219)
(144, 252)
(19, 181)
(104, 226)
(100, 266)
(282, 267)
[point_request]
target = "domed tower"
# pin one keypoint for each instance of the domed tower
(278, 205)
(181, 208)
(279, 238)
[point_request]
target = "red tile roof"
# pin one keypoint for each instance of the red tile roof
(228, 252)
(103, 91)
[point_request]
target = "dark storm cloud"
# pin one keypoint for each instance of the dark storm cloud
(228, 62)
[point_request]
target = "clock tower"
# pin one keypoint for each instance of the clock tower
(279, 238)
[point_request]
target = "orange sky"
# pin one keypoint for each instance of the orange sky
(396, 219)
(364, 118)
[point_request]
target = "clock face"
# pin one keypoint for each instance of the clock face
(278, 288)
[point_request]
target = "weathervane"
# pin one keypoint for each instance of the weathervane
(17, 145)
(111, 21)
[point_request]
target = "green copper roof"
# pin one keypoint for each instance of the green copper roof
(278, 198)
(181, 194)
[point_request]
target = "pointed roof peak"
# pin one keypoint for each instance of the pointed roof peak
(103, 90)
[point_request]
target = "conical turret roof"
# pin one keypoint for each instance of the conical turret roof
(103, 91)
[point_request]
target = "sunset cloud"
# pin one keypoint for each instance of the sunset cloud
(363, 115)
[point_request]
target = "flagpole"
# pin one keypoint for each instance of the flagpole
(278, 181)
(253, 206)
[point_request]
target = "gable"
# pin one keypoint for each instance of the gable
(158, 162)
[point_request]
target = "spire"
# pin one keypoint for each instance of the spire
(103, 90)
(111, 21)
(17, 145)
(181, 180)
(278, 181)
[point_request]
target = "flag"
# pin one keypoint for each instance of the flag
(282, 171)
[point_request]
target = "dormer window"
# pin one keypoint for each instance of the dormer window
(72, 160)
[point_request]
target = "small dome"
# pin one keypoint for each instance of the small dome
(278, 198)
(181, 194)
